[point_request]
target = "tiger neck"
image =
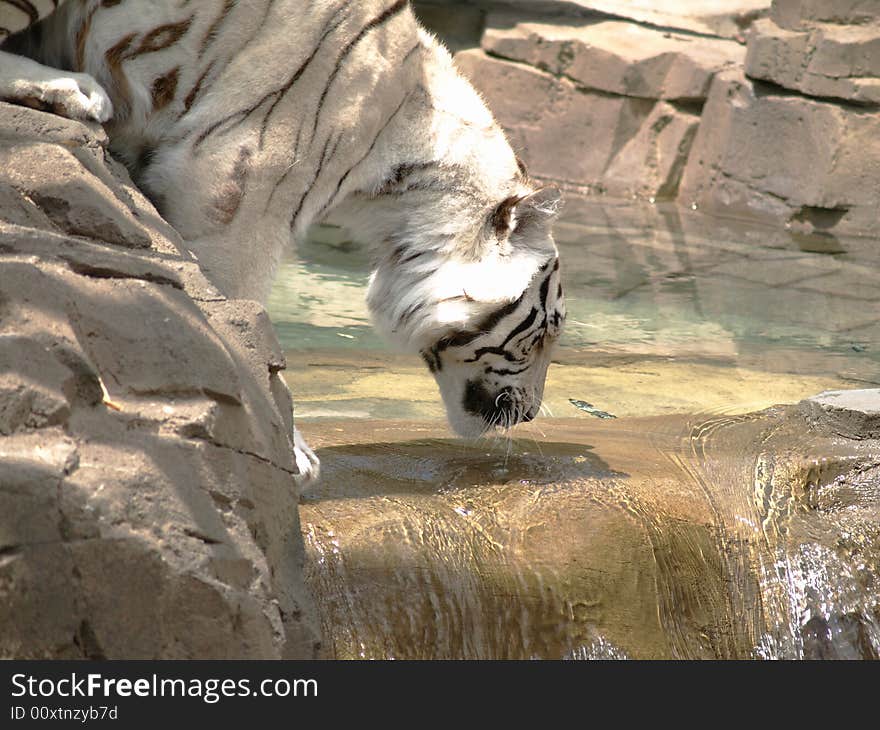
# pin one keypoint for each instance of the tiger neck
(446, 164)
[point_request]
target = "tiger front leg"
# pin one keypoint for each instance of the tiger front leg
(307, 462)
(73, 95)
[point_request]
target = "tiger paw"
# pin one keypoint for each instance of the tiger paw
(73, 95)
(307, 461)
(77, 96)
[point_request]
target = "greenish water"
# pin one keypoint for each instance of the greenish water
(644, 283)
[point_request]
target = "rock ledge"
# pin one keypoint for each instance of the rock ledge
(147, 499)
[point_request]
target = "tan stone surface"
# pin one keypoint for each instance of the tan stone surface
(784, 158)
(607, 97)
(824, 60)
(797, 13)
(147, 499)
(612, 106)
(725, 18)
(620, 144)
(651, 163)
(722, 18)
(615, 56)
(564, 136)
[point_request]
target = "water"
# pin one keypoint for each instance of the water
(668, 313)
(706, 520)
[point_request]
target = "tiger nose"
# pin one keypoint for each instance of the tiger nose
(499, 407)
(480, 401)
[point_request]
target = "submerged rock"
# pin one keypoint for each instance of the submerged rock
(147, 498)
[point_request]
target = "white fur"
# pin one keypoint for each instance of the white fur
(73, 95)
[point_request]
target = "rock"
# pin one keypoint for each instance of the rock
(147, 499)
(721, 18)
(851, 413)
(750, 535)
(55, 171)
(739, 167)
(613, 106)
(823, 61)
(724, 18)
(563, 135)
(75, 201)
(651, 163)
(795, 14)
(615, 56)
(608, 97)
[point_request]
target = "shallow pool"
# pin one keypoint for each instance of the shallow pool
(705, 521)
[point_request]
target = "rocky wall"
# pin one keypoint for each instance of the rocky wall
(148, 507)
(742, 109)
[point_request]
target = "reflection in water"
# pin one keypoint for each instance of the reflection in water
(689, 526)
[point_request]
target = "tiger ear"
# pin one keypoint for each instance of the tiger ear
(520, 211)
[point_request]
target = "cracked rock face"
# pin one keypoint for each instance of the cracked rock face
(820, 59)
(742, 109)
(795, 13)
(718, 18)
(608, 105)
(794, 141)
(822, 179)
(147, 498)
(615, 57)
(722, 18)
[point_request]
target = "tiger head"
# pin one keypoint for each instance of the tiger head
(483, 321)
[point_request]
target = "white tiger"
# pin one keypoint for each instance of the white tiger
(248, 121)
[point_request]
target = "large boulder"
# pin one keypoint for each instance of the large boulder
(819, 50)
(722, 18)
(563, 136)
(613, 106)
(608, 97)
(615, 56)
(147, 499)
(798, 13)
(795, 142)
(763, 153)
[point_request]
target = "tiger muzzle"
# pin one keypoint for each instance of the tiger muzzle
(499, 408)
